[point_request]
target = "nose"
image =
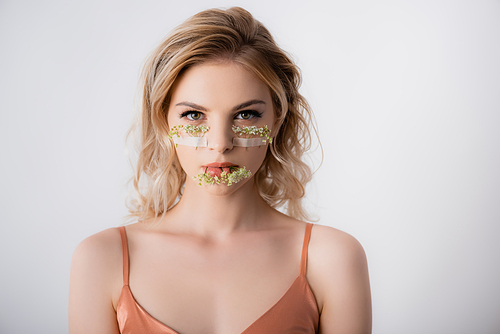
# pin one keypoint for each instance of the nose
(220, 137)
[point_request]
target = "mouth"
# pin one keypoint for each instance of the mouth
(216, 168)
(223, 173)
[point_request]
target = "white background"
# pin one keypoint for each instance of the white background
(407, 99)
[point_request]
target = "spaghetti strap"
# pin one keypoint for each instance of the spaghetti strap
(303, 261)
(123, 235)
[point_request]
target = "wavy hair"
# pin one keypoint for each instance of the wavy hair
(226, 35)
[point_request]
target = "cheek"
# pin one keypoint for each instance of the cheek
(188, 159)
(254, 157)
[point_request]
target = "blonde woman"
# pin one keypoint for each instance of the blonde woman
(222, 132)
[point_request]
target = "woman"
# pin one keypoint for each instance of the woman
(223, 129)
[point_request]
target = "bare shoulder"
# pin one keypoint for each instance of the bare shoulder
(338, 276)
(97, 262)
(335, 247)
(99, 250)
(95, 281)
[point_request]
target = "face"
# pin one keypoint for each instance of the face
(220, 96)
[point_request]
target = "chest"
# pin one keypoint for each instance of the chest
(198, 289)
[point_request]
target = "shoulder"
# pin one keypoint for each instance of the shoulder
(337, 265)
(95, 283)
(98, 249)
(97, 262)
(335, 247)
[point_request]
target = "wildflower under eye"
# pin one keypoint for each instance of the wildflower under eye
(250, 131)
(192, 130)
(196, 130)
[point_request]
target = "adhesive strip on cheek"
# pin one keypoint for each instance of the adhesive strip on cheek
(190, 141)
(243, 142)
(254, 132)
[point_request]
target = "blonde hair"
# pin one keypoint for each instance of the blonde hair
(226, 35)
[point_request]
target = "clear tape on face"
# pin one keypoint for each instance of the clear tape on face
(190, 141)
(243, 142)
(202, 141)
(196, 137)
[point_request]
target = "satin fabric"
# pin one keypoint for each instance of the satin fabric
(295, 312)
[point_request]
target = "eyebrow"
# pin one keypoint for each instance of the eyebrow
(238, 107)
(248, 104)
(191, 105)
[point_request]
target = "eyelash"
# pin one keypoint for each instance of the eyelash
(253, 113)
(189, 112)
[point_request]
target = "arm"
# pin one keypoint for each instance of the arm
(95, 272)
(340, 272)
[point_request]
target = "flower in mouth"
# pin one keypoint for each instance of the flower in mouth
(232, 175)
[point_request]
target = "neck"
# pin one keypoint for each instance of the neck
(217, 212)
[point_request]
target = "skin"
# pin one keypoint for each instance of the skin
(221, 257)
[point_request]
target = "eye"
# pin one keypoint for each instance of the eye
(248, 114)
(192, 115)
(245, 115)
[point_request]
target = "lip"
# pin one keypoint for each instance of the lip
(217, 168)
(220, 165)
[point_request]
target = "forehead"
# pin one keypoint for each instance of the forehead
(219, 85)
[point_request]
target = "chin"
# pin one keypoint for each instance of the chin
(224, 189)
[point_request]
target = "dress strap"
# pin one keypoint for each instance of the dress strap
(123, 235)
(303, 261)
